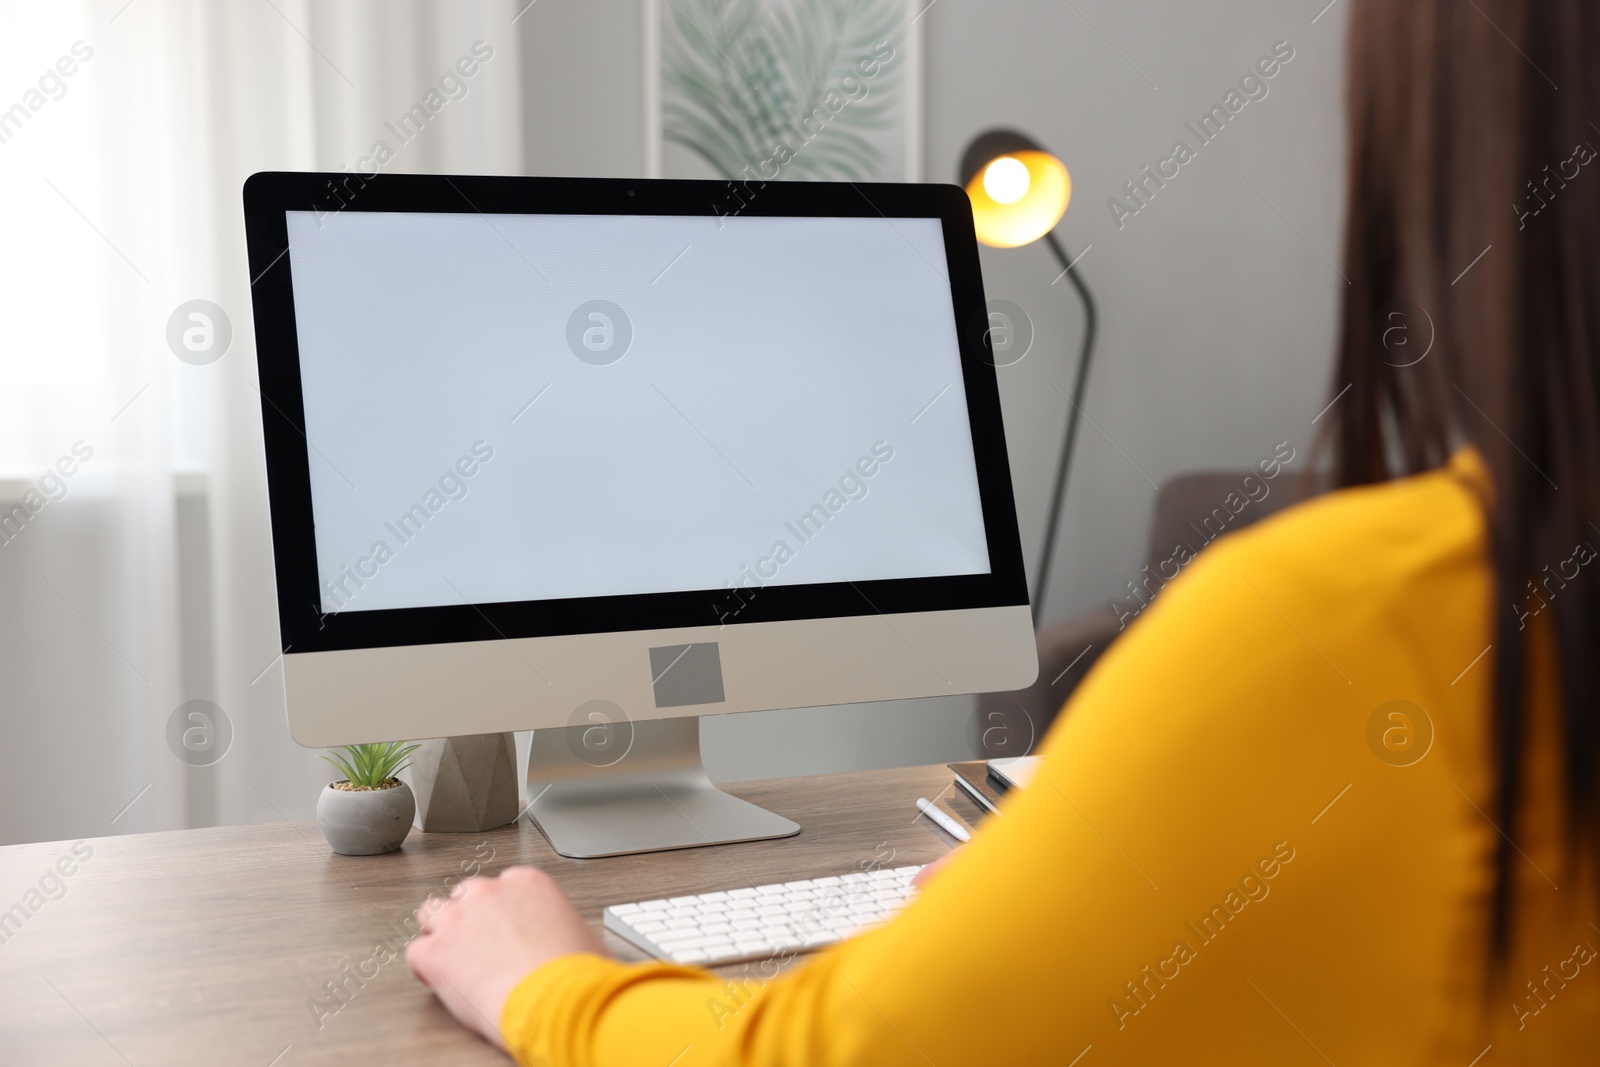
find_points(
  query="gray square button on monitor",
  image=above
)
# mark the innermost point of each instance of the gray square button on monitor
(687, 674)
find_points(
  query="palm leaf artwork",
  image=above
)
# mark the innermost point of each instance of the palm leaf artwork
(370, 766)
(744, 77)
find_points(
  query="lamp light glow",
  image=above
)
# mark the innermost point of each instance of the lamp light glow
(1006, 180)
(1018, 190)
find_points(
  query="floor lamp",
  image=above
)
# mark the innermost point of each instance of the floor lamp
(1019, 192)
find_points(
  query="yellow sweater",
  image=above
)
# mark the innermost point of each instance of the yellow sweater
(1236, 853)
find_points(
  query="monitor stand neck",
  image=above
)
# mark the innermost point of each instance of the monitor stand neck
(626, 787)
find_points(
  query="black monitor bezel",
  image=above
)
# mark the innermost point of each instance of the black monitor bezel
(303, 625)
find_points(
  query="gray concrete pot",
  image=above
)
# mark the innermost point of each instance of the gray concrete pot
(464, 784)
(365, 822)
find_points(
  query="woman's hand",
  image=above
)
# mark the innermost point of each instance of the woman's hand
(935, 867)
(489, 935)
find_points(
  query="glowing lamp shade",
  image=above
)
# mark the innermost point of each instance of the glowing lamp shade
(1018, 191)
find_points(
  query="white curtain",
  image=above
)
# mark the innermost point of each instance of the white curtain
(135, 559)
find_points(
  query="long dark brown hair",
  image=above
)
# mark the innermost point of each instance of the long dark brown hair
(1473, 222)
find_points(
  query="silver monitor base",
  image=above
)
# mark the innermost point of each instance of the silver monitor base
(635, 787)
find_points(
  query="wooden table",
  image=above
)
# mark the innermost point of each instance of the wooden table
(220, 946)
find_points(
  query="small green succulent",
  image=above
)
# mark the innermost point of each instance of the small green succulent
(372, 766)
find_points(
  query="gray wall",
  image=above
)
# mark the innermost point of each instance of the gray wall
(584, 110)
(1216, 305)
(1216, 315)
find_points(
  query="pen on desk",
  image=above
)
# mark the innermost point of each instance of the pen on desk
(946, 823)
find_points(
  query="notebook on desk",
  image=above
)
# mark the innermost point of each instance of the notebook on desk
(986, 781)
(1016, 772)
(972, 778)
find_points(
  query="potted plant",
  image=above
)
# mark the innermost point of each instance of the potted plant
(369, 812)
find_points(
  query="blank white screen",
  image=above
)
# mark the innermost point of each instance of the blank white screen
(769, 356)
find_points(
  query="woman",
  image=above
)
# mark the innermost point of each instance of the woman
(1316, 804)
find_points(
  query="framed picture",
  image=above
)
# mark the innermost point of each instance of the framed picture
(775, 90)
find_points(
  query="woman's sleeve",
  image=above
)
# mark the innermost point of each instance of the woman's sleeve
(1165, 861)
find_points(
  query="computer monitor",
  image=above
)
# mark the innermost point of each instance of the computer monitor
(597, 457)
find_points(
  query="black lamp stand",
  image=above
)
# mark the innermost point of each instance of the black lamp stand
(1079, 384)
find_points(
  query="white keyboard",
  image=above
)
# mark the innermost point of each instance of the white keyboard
(712, 929)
